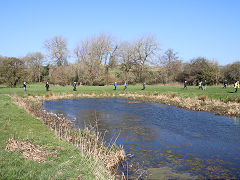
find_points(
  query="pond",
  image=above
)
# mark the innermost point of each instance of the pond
(161, 138)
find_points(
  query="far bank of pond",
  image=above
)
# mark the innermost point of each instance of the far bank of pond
(231, 109)
(160, 137)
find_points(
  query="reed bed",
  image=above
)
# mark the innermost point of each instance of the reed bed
(89, 141)
(202, 103)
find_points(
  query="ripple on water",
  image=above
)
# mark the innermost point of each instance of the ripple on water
(160, 138)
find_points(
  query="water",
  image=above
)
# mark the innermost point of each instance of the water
(157, 136)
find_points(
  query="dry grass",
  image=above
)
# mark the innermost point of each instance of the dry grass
(231, 109)
(28, 150)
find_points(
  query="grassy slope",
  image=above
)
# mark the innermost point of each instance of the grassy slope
(15, 122)
(213, 92)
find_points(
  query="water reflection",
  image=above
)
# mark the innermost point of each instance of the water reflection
(129, 126)
(156, 135)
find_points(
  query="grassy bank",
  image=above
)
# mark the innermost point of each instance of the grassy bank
(212, 92)
(60, 161)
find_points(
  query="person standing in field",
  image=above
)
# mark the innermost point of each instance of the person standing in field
(236, 86)
(125, 85)
(115, 85)
(185, 85)
(74, 86)
(47, 86)
(204, 85)
(144, 86)
(225, 84)
(200, 85)
(24, 86)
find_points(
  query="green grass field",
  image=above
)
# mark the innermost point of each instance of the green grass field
(212, 92)
(16, 123)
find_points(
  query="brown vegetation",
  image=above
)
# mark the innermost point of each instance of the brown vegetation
(28, 150)
(231, 109)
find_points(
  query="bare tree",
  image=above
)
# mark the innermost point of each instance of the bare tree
(145, 50)
(172, 65)
(62, 75)
(88, 63)
(126, 57)
(34, 62)
(57, 48)
(105, 50)
(97, 54)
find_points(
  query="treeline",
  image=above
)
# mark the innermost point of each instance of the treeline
(102, 60)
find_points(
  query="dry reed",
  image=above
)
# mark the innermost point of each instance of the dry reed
(231, 109)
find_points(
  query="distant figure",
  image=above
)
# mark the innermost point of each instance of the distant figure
(74, 86)
(200, 85)
(47, 86)
(204, 85)
(185, 84)
(225, 84)
(24, 86)
(125, 85)
(144, 86)
(115, 85)
(236, 86)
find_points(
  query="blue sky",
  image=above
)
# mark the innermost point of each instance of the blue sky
(193, 28)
